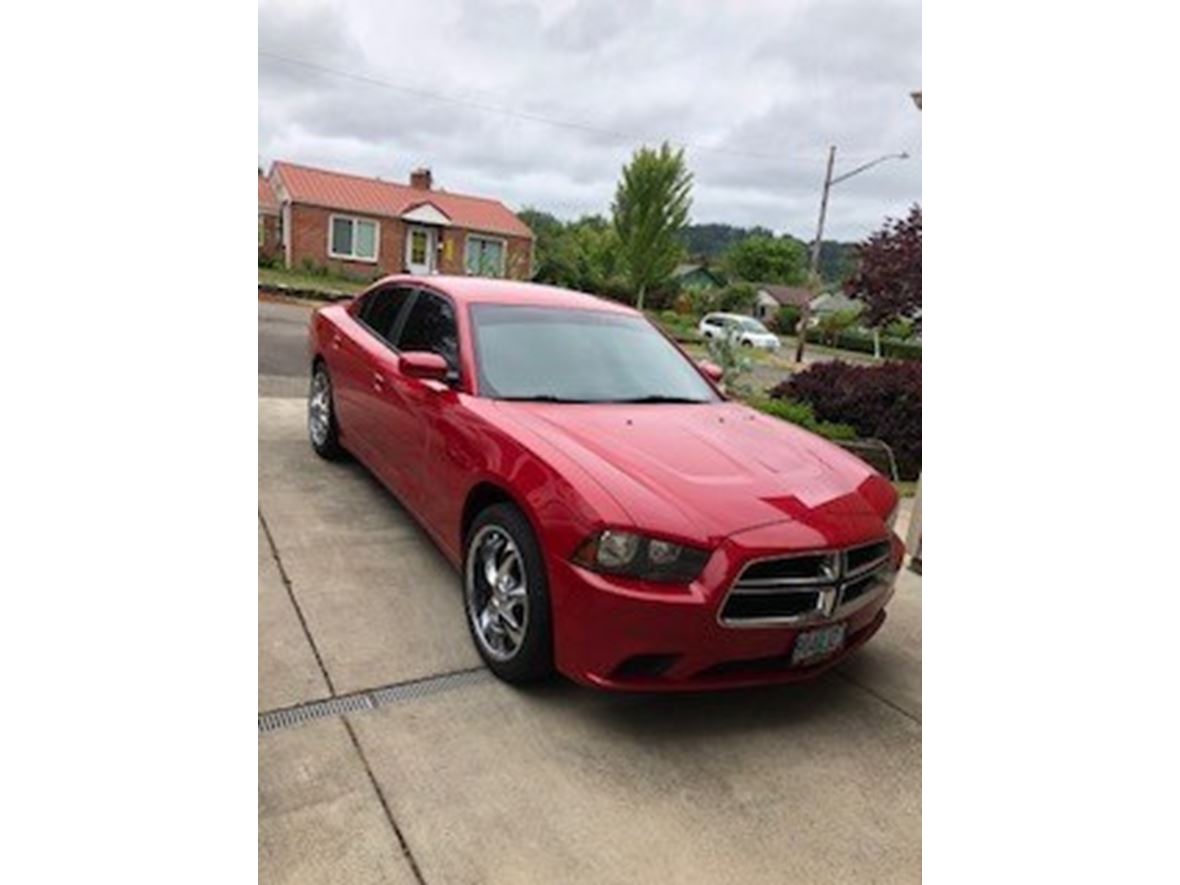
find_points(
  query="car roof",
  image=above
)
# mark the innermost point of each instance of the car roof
(481, 290)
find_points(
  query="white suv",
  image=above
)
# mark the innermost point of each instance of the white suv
(746, 331)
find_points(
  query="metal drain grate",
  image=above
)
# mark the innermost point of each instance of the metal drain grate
(370, 699)
(408, 691)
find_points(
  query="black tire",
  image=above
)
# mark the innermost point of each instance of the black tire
(747, 344)
(532, 658)
(326, 445)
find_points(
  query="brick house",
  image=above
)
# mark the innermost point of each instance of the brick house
(367, 227)
(269, 240)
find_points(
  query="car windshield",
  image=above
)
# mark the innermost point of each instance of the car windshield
(563, 355)
(752, 325)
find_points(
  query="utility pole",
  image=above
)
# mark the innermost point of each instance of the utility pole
(815, 247)
(819, 233)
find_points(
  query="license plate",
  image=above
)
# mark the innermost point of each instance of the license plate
(817, 643)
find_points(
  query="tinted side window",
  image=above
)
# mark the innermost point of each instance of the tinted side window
(381, 309)
(430, 325)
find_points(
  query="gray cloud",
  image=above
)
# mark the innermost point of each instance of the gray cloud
(779, 79)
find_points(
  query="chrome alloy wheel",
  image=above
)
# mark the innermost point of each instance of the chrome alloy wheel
(319, 407)
(496, 591)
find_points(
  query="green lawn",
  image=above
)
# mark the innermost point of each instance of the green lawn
(278, 276)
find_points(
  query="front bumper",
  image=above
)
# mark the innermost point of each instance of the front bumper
(635, 636)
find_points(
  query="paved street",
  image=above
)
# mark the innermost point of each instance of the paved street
(437, 773)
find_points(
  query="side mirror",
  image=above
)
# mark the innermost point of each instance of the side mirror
(713, 371)
(424, 364)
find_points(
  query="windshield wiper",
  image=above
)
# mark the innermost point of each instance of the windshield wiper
(660, 398)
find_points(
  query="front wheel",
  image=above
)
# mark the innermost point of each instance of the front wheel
(321, 416)
(506, 596)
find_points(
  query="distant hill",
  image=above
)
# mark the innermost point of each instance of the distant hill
(708, 242)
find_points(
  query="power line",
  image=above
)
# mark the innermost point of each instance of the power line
(506, 111)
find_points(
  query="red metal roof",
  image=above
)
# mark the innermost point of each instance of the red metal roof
(266, 196)
(371, 196)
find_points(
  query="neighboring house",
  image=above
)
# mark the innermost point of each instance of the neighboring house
(697, 277)
(834, 302)
(368, 227)
(771, 297)
(269, 237)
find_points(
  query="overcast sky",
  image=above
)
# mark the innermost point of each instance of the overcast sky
(756, 90)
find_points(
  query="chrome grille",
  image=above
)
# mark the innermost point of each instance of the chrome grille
(803, 587)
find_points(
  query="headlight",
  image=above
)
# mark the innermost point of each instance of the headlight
(615, 552)
(891, 519)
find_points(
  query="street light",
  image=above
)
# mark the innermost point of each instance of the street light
(819, 231)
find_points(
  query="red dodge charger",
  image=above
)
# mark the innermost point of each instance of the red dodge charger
(613, 515)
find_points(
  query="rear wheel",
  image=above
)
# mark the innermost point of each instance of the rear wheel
(506, 595)
(321, 416)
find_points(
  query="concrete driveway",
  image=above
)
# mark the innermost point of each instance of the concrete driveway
(387, 754)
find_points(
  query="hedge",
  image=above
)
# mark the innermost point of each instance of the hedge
(804, 416)
(882, 402)
(890, 348)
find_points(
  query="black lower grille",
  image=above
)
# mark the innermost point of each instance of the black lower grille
(782, 605)
(644, 666)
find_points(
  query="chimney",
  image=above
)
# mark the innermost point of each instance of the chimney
(420, 178)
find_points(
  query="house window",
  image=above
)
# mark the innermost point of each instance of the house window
(354, 238)
(485, 256)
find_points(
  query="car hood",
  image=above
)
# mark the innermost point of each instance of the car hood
(706, 471)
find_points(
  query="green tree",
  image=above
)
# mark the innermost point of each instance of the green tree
(831, 326)
(763, 259)
(737, 298)
(551, 261)
(649, 212)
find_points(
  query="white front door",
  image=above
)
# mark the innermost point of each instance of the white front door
(420, 250)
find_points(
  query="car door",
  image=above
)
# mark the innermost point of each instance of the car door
(358, 362)
(413, 406)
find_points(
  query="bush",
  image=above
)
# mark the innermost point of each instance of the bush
(831, 326)
(803, 415)
(684, 304)
(679, 326)
(734, 362)
(858, 342)
(901, 350)
(701, 301)
(787, 319)
(883, 402)
(736, 298)
(309, 267)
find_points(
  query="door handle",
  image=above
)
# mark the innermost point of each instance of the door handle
(378, 381)
(336, 341)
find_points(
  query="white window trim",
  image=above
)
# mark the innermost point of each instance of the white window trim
(503, 251)
(354, 257)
